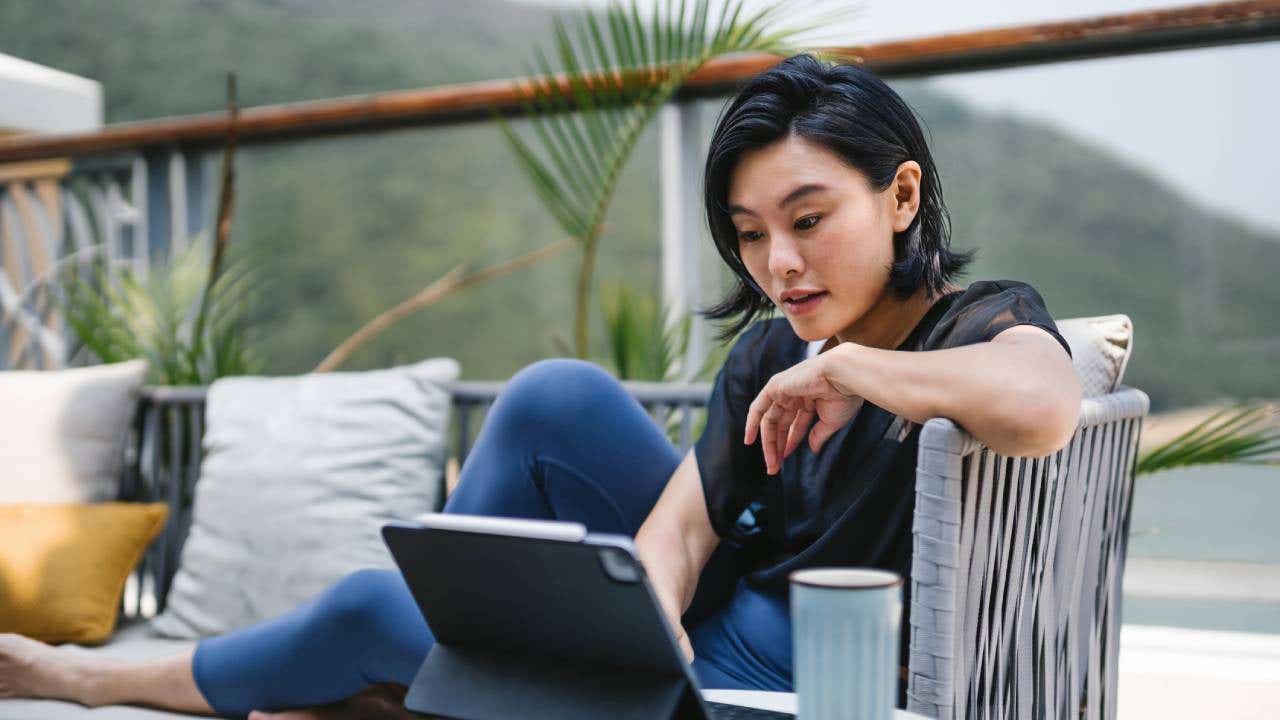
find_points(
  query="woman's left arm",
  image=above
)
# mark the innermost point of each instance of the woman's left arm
(1017, 394)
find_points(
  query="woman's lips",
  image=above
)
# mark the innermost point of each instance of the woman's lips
(802, 305)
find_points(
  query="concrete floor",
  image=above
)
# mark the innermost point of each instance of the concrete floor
(1179, 673)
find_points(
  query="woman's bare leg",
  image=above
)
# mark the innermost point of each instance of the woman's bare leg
(32, 669)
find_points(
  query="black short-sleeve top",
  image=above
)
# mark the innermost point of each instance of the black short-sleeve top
(851, 503)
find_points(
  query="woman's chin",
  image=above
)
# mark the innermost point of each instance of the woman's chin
(810, 329)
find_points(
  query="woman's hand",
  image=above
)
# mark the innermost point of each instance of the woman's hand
(780, 415)
(682, 638)
(669, 608)
(674, 544)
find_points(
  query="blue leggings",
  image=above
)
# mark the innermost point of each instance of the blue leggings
(564, 441)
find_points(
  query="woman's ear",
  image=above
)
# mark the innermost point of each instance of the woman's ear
(905, 190)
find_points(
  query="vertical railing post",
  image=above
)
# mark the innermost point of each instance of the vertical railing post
(177, 199)
(681, 160)
(200, 194)
(159, 205)
(138, 230)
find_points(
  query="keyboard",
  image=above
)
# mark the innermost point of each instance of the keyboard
(725, 711)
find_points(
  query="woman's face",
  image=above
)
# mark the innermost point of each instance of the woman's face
(813, 233)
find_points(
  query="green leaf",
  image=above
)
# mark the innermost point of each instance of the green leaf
(584, 134)
(1241, 434)
(643, 343)
(117, 315)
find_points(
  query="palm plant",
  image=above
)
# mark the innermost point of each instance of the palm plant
(618, 70)
(186, 317)
(1243, 434)
(647, 341)
(190, 330)
(642, 344)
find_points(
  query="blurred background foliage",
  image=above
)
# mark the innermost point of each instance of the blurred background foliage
(344, 228)
(189, 330)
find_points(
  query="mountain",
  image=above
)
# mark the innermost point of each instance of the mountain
(342, 228)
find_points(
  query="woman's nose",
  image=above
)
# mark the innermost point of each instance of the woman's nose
(784, 256)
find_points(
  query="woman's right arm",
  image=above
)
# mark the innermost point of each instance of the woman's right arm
(675, 542)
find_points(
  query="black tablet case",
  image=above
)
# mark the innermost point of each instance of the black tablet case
(536, 629)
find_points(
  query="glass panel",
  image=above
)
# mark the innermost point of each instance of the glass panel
(344, 229)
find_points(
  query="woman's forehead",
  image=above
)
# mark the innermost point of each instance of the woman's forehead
(764, 176)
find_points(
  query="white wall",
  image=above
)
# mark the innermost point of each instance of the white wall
(35, 98)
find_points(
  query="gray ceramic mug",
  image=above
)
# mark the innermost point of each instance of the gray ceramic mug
(844, 629)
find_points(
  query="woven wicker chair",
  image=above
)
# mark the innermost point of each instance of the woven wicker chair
(1016, 571)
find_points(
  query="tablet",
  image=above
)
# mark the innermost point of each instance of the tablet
(538, 619)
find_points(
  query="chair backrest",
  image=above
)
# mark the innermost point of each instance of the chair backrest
(1016, 570)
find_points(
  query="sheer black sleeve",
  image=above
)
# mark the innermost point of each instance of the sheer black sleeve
(732, 473)
(988, 308)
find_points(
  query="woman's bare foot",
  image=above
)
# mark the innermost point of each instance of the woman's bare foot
(377, 702)
(32, 669)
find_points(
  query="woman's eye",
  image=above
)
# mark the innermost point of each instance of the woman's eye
(749, 235)
(807, 222)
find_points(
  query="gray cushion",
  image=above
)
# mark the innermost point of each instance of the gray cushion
(299, 475)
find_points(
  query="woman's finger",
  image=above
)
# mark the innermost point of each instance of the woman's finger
(798, 429)
(820, 434)
(780, 439)
(755, 413)
(761, 427)
(769, 436)
(685, 644)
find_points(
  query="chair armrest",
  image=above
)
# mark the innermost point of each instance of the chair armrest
(1016, 558)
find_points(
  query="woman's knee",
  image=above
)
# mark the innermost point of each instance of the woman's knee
(551, 392)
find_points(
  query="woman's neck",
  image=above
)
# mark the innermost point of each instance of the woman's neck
(890, 321)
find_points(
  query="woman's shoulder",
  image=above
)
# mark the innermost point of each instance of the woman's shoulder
(991, 294)
(986, 308)
(980, 289)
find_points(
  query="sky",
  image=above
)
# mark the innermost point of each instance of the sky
(1205, 121)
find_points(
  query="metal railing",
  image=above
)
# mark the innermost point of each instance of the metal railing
(58, 218)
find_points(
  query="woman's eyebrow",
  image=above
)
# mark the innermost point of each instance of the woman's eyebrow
(791, 197)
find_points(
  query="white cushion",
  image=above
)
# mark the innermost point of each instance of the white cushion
(1100, 350)
(299, 475)
(64, 431)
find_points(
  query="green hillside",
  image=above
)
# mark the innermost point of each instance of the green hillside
(343, 228)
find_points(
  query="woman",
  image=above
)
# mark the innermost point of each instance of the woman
(822, 197)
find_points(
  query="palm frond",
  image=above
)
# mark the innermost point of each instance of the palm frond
(643, 344)
(615, 70)
(1241, 434)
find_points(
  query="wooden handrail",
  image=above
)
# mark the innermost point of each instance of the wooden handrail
(1121, 34)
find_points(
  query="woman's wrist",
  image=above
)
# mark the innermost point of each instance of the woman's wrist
(667, 565)
(841, 368)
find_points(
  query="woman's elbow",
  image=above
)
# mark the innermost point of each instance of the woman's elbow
(1043, 420)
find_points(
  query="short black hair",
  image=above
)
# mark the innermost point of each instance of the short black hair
(849, 110)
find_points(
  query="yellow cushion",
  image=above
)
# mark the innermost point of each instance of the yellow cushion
(63, 566)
